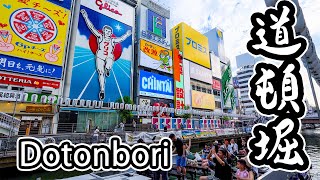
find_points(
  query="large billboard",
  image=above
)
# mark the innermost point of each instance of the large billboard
(200, 73)
(104, 51)
(154, 24)
(202, 100)
(178, 76)
(33, 36)
(227, 88)
(155, 57)
(192, 43)
(155, 85)
(215, 66)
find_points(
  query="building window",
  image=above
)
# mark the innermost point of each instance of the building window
(216, 93)
(204, 90)
(193, 87)
(209, 91)
(218, 104)
(198, 88)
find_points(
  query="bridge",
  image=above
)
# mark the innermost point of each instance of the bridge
(311, 119)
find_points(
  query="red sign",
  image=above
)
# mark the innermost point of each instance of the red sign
(216, 84)
(26, 81)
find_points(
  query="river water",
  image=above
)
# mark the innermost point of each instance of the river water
(312, 138)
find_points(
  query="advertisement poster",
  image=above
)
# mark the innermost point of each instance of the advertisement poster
(155, 85)
(33, 36)
(202, 100)
(200, 73)
(216, 84)
(154, 24)
(28, 82)
(103, 53)
(178, 76)
(226, 85)
(215, 66)
(195, 46)
(155, 57)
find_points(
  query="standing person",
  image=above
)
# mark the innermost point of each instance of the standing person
(96, 134)
(88, 125)
(134, 124)
(165, 129)
(121, 125)
(181, 158)
(222, 168)
(233, 147)
(104, 55)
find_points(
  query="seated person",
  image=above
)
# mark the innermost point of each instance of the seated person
(242, 172)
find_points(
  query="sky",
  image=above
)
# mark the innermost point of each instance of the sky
(233, 17)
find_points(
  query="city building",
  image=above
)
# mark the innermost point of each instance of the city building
(245, 65)
(197, 73)
(154, 63)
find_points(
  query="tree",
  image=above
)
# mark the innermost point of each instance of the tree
(125, 114)
(186, 116)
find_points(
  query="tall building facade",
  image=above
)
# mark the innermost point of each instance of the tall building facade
(245, 65)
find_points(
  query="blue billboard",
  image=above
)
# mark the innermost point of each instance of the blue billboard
(103, 57)
(18, 65)
(155, 85)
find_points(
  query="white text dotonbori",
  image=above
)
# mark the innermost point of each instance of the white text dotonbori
(32, 154)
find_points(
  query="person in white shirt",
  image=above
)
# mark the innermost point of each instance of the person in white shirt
(233, 147)
(121, 126)
(96, 134)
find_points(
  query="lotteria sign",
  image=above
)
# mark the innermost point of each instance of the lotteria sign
(26, 81)
(155, 85)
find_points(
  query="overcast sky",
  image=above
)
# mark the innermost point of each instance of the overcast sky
(233, 16)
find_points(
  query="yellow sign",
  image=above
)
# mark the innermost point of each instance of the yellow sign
(203, 100)
(155, 52)
(177, 37)
(33, 29)
(193, 44)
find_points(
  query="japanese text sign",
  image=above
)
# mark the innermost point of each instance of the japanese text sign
(178, 79)
(278, 91)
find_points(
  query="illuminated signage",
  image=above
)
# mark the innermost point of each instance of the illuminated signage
(156, 24)
(157, 39)
(203, 100)
(194, 45)
(178, 77)
(216, 84)
(155, 85)
(26, 81)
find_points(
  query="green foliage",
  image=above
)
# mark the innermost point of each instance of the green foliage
(125, 115)
(226, 118)
(186, 116)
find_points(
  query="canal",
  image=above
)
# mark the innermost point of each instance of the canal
(312, 138)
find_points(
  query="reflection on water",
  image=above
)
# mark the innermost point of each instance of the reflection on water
(312, 138)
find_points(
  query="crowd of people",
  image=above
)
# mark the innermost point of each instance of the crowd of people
(218, 158)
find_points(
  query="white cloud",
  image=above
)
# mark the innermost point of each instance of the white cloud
(127, 53)
(82, 41)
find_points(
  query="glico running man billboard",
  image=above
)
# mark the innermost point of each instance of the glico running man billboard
(33, 36)
(104, 52)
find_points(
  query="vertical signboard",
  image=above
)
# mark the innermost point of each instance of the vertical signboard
(33, 36)
(104, 51)
(178, 77)
(215, 66)
(226, 89)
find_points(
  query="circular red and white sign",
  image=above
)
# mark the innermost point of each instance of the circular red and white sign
(33, 26)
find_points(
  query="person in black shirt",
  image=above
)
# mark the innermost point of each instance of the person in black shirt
(222, 168)
(181, 158)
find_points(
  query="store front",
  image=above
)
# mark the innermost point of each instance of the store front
(35, 118)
